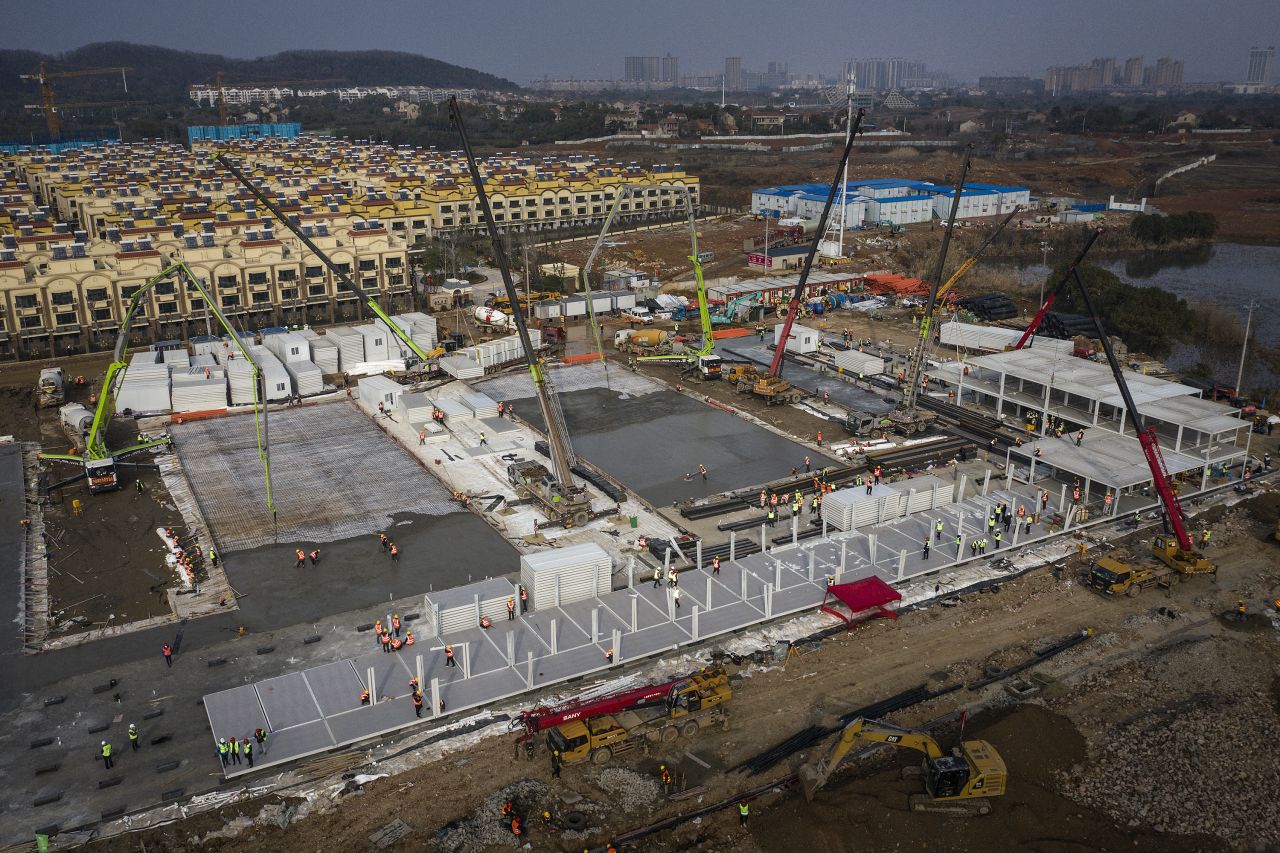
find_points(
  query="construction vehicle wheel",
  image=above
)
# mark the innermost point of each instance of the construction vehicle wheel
(984, 807)
(1134, 590)
(581, 519)
(689, 730)
(603, 755)
(670, 734)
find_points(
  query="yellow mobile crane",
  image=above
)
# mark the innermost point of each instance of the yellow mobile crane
(959, 782)
(99, 463)
(565, 501)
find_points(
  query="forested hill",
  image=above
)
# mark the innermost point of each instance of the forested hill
(161, 75)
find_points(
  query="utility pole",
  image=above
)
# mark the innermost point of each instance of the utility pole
(1248, 323)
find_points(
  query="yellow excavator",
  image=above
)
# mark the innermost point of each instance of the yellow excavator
(960, 782)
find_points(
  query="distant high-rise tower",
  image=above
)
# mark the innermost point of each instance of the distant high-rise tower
(644, 68)
(1133, 71)
(733, 73)
(670, 71)
(1168, 72)
(1261, 62)
(1104, 72)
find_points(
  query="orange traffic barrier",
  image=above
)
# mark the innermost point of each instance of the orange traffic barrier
(721, 334)
(582, 358)
(204, 415)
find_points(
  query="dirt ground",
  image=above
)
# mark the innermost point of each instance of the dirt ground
(106, 564)
(1146, 736)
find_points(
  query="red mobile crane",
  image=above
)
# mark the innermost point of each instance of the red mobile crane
(775, 369)
(1178, 553)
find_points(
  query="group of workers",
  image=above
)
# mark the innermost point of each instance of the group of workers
(390, 548)
(230, 751)
(389, 636)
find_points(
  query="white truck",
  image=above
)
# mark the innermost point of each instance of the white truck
(51, 387)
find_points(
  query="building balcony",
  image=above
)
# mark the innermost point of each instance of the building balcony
(34, 332)
(67, 329)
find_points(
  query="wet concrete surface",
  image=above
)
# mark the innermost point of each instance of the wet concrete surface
(812, 379)
(650, 443)
(436, 552)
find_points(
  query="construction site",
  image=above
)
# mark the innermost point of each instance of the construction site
(760, 569)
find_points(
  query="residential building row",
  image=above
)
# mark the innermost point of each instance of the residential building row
(81, 231)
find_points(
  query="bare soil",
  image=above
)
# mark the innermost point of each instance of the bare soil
(106, 564)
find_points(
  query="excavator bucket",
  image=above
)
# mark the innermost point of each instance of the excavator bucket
(810, 781)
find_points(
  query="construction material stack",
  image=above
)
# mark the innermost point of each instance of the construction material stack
(199, 388)
(146, 385)
(461, 366)
(565, 575)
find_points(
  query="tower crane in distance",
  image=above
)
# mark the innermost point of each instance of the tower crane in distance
(48, 101)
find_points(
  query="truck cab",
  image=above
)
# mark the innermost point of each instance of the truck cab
(101, 474)
(710, 366)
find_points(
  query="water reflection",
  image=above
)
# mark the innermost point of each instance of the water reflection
(1148, 264)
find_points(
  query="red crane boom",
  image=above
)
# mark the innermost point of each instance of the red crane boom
(775, 369)
(540, 719)
(1058, 290)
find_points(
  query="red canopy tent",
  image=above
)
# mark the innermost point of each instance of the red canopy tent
(868, 594)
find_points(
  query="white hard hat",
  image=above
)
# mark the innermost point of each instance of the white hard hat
(104, 743)
(133, 725)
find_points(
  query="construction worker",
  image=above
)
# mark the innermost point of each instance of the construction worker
(247, 748)
(870, 485)
(702, 469)
(937, 530)
(484, 623)
(1106, 503)
(213, 557)
(524, 599)
(1204, 537)
(808, 466)
(998, 540)
(224, 751)
(1075, 495)
(878, 473)
(1240, 614)
(1008, 520)
(386, 642)
(973, 547)
(675, 594)
(982, 545)
(261, 737)
(1044, 500)
(773, 499)
(383, 540)
(302, 558)
(815, 503)
(508, 808)
(959, 545)
(771, 517)
(448, 656)
(546, 819)
(377, 632)
(395, 623)
(657, 577)
(926, 548)
(106, 755)
(417, 703)
(364, 696)
(133, 736)
(395, 553)
(1080, 438)
(744, 811)
(234, 747)
(715, 565)
(665, 775)
(511, 608)
(314, 555)
(608, 655)
(397, 643)
(763, 498)
(555, 763)
(167, 651)
(819, 438)
(517, 827)
(484, 442)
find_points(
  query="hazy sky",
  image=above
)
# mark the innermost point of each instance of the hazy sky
(588, 38)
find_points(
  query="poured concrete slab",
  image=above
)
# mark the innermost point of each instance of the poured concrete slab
(334, 474)
(607, 427)
(811, 379)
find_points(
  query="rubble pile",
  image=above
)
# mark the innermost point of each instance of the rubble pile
(628, 790)
(486, 827)
(1196, 766)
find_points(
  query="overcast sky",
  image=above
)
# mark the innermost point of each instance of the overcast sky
(527, 39)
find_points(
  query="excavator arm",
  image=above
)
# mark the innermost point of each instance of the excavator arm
(815, 774)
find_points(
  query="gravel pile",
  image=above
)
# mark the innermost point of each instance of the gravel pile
(1204, 765)
(486, 827)
(628, 790)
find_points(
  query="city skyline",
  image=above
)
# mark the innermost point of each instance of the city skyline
(811, 36)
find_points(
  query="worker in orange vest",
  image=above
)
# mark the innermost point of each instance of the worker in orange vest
(448, 656)
(395, 623)
(511, 608)
(819, 438)
(396, 643)
(715, 565)
(386, 641)
(315, 556)
(302, 558)
(377, 632)
(395, 552)
(485, 623)
(408, 638)
(383, 540)
(364, 697)
(524, 599)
